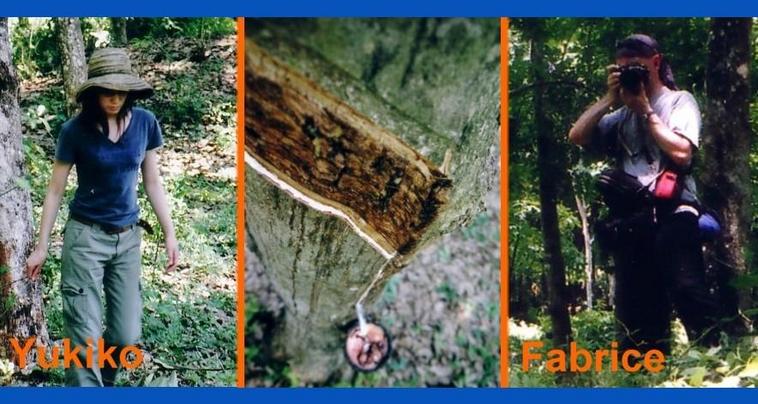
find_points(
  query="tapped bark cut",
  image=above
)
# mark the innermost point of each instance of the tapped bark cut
(356, 162)
(334, 155)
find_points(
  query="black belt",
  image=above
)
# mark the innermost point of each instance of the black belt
(106, 228)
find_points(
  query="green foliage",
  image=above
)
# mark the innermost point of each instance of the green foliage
(734, 363)
(95, 33)
(178, 101)
(261, 367)
(166, 27)
(161, 381)
(252, 307)
(593, 329)
(35, 50)
(35, 45)
(44, 114)
(7, 303)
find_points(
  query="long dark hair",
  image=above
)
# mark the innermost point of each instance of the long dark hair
(93, 115)
(640, 45)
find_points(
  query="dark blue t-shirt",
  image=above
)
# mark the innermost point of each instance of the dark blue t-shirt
(107, 172)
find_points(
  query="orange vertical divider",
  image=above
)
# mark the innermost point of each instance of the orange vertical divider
(504, 356)
(240, 161)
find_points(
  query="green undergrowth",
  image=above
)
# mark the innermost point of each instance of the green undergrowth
(734, 363)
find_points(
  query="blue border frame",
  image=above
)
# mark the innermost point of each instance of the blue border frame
(381, 8)
(377, 396)
(378, 8)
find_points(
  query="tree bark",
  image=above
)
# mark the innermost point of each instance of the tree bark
(726, 143)
(372, 112)
(73, 63)
(118, 32)
(21, 313)
(589, 273)
(549, 170)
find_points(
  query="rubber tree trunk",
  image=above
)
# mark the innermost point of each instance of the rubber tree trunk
(73, 63)
(20, 299)
(549, 170)
(392, 124)
(118, 32)
(726, 143)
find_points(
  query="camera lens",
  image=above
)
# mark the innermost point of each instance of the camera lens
(632, 76)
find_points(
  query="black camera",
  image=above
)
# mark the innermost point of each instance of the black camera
(632, 76)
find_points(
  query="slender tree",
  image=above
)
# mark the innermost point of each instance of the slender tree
(726, 142)
(73, 63)
(118, 32)
(550, 169)
(21, 313)
(589, 271)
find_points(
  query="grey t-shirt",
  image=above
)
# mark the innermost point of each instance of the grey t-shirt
(640, 154)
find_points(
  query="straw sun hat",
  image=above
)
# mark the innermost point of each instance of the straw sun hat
(111, 69)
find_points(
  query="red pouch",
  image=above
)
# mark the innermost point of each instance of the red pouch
(666, 186)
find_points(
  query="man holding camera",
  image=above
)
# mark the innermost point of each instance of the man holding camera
(651, 130)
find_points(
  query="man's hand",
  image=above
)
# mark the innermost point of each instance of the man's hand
(172, 253)
(638, 103)
(614, 85)
(35, 261)
(582, 130)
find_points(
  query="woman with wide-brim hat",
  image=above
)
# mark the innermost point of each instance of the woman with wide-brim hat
(109, 142)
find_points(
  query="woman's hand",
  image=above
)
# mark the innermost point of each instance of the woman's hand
(50, 207)
(172, 253)
(35, 261)
(157, 197)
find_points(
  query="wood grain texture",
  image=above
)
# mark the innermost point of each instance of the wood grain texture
(322, 267)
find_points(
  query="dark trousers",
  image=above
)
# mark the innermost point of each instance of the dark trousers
(659, 266)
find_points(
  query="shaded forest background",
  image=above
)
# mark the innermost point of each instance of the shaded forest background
(189, 315)
(557, 69)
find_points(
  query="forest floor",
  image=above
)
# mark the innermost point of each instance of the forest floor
(189, 334)
(734, 363)
(442, 312)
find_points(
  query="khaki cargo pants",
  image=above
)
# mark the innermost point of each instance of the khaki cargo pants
(94, 261)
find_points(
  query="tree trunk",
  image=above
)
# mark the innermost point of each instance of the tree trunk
(589, 273)
(386, 140)
(73, 63)
(549, 170)
(24, 29)
(21, 313)
(118, 32)
(726, 143)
